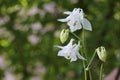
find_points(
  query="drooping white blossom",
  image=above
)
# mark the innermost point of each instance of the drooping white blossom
(76, 20)
(70, 51)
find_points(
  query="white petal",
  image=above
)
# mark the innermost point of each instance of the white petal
(73, 59)
(73, 56)
(74, 25)
(78, 25)
(60, 53)
(87, 25)
(79, 56)
(66, 50)
(74, 10)
(76, 50)
(63, 20)
(67, 12)
(63, 52)
(70, 43)
(70, 24)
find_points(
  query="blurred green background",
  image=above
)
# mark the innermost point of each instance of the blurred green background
(29, 30)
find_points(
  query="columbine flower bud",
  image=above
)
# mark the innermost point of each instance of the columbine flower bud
(101, 52)
(64, 35)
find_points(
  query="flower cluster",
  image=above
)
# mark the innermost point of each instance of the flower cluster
(75, 21)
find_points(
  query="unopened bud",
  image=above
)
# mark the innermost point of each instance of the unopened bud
(101, 52)
(64, 35)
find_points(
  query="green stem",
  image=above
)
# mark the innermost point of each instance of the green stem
(83, 43)
(76, 36)
(90, 75)
(91, 60)
(101, 69)
(85, 72)
(83, 53)
(83, 38)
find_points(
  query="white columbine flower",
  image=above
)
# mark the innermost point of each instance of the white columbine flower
(76, 20)
(70, 51)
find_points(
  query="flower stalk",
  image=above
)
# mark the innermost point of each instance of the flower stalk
(91, 60)
(101, 69)
(84, 53)
(76, 36)
(90, 75)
